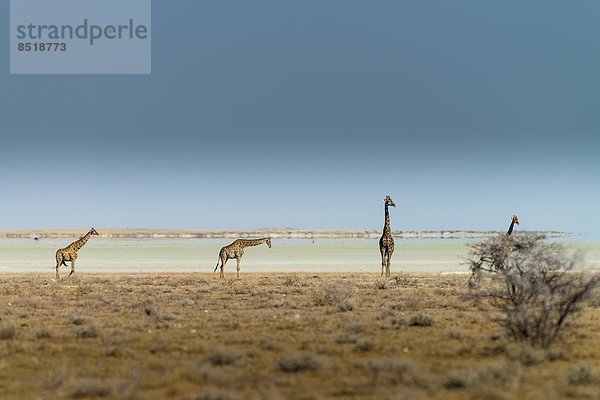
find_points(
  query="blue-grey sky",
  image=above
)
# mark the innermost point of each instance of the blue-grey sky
(306, 113)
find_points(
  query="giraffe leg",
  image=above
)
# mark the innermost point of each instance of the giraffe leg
(223, 262)
(57, 266)
(387, 266)
(383, 258)
(388, 259)
(239, 260)
(72, 267)
(59, 261)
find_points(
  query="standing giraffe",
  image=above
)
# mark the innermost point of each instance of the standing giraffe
(236, 250)
(505, 247)
(515, 220)
(69, 253)
(386, 243)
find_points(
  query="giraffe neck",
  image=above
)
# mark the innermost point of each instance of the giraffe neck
(79, 244)
(252, 242)
(510, 228)
(386, 227)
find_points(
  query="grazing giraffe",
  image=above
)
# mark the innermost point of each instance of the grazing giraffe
(386, 243)
(69, 253)
(236, 250)
(515, 220)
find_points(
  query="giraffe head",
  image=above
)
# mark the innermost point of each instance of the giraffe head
(515, 219)
(389, 202)
(268, 242)
(93, 232)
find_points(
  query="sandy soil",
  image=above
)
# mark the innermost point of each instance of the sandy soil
(275, 336)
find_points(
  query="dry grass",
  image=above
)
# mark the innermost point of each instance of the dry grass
(294, 336)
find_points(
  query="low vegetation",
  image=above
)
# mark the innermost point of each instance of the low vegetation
(537, 285)
(272, 336)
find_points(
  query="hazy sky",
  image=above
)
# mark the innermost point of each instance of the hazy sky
(306, 113)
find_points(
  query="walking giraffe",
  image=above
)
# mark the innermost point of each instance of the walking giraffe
(515, 220)
(236, 250)
(69, 253)
(386, 243)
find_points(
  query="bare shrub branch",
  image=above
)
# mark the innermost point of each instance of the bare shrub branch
(533, 282)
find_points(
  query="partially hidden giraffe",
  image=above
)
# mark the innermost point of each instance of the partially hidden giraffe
(515, 220)
(236, 250)
(69, 253)
(386, 243)
(506, 247)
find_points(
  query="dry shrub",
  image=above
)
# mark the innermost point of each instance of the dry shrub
(300, 362)
(334, 294)
(88, 332)
(420, 320)
(390, 370)
(456, 381)
(77, 319)
(500, 375)
(43, 334)
(223, 356)
(90, 387)
(381, 284)
(212, 394)
(525, 354)
(8, 331)
(404, 279)
(533, 283)
(55, 378)
(582, 375)
(364, 346)
(346, 305)
(293, 280)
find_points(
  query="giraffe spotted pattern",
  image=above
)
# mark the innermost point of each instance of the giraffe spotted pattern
(69, 253)
(386, 243)
(236, 250)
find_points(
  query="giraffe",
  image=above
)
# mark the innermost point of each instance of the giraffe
(386, 243)
(69, 253)
(236, 250)
(505, 247)
(515, 220)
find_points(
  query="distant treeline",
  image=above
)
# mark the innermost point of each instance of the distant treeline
(273, 233)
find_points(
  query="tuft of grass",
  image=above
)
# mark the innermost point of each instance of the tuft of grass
(403, 280)
(381, 284)
(43, 334)
(364, 346)
(346, 305)
(211, 395)
(390, 370)
(77, 319)
(88, 332)
(293, 280)
(152, 311)
(525, 354)
(8, 331)
(223, 356)
(300, 362)
(90, 387)
(456, 382)
(331, 295)
(504, 375)
(420, 320)
(582, 374)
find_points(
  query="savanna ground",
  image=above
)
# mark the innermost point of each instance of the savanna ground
(276, 336)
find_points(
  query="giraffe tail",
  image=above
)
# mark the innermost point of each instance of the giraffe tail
(217, 266)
